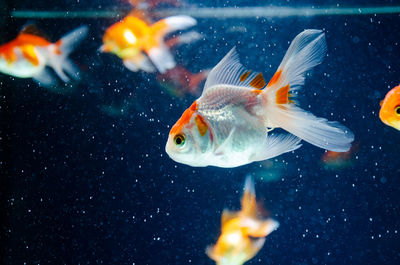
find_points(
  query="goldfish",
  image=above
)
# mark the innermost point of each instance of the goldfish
(390, 108)
(242, 233)
(232, 122)
(180, 81)
(141, 46)
(29, 53)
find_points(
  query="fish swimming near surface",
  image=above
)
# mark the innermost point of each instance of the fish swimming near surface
(390, 108)
(28, 55)
(141, 46)
(242, 233)
(231, 123)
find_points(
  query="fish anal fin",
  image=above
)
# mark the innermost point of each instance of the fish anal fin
(258, 81)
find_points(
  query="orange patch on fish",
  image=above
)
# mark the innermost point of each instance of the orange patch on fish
(244, 76)
(185, 119)
(282, 95)
(275, 78)
(201, 125)
(258, 81)
(29, 53)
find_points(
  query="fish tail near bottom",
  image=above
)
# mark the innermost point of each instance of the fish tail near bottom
(58, 58)
(306, 51)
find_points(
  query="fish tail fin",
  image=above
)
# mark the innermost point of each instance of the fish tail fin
(59, 52)
(159, 52)
(306, 51)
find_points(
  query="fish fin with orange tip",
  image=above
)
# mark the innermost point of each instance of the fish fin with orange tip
(229, 71)
(58, 54)
(306, 51)
(276, 145)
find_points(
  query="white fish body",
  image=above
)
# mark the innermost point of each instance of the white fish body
(230, 124)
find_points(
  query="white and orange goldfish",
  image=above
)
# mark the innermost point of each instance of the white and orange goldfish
(28, 55)
(390, 108)
(230, 124)
(242, 233)
(141, 46)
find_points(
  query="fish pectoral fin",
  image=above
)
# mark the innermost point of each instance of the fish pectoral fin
(276, 145)
(228, 140)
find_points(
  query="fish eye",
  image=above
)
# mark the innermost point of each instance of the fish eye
(179, 139)
(397, 110)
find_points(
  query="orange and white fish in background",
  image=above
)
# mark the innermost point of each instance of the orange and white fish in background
(28, 55)
(141, 45)
(242, 233)
(390, 108)
(230, 124)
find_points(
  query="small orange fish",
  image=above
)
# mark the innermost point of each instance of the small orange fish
(243, 233)
(28, 55)
(390, 108)
(180, 81)
(141, 45)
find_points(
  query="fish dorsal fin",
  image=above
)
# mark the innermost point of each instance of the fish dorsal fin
(32, 29)
(227, 215)
(229, 71)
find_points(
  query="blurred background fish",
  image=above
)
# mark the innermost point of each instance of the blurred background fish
(242, 233)
(140, 45)
(29, 55)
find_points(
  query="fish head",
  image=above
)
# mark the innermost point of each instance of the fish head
(189, 141)
(390, 108)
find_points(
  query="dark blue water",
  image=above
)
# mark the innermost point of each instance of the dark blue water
(83, 185)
